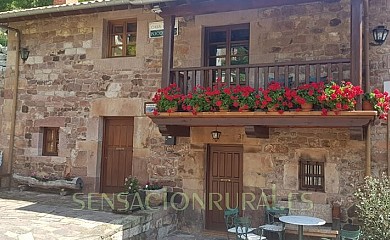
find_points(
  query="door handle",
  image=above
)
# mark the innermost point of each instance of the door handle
(225, 180)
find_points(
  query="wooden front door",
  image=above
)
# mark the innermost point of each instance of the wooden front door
(224, 183)
(117, 153)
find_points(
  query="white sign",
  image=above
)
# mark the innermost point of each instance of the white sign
(387, 86)
(156, 29)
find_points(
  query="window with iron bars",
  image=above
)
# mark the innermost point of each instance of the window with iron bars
(312, 176)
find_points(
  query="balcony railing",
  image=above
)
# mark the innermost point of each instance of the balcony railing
(290, 74)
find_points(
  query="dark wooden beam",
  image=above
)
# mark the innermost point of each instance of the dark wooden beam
(208, 7)
(257, 131)
(168, 46)
(270, 119)
(357, 45)
(172, 130)
(356, 133)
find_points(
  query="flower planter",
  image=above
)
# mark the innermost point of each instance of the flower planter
(367, 106)
(223, 109)
(306, 107)
(273, 109)
(154, 198)
(174, 197)
(125, 203)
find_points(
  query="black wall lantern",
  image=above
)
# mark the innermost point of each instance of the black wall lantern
(216, 135)
(24, 53)
(380, 34)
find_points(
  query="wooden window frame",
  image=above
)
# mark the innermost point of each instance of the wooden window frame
(315, 172)
(45, 150)
(229, 43)
(111, 34)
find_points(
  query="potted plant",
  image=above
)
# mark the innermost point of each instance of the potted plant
(276, 98)
(200, 100)
(378, 101)
(244, 98)
(224, 101)
(307, 95)
(155, 194)
(339, 97)
(131, 198)
(167, 99)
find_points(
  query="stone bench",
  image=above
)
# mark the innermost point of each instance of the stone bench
(64, 186)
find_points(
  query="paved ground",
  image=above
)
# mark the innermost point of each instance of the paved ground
(35, 216)
(45, 216)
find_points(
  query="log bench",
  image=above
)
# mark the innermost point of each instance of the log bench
(314, 231)
(65, 187)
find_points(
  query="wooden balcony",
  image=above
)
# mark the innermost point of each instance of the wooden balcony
(289, 74)
(257, 124)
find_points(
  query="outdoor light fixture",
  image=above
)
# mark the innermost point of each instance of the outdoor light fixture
(156, 9)
(216, 134)
(24, 52)
(380, 34)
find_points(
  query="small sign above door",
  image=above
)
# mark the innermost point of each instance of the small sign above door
(156, 29)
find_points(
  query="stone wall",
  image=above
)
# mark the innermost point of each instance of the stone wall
(379, 73)
(149, 225)
(289, 33)
(67, 83)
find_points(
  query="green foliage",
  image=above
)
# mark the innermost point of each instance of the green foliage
(152, 186)
(374, 207)
(7, 5)
(131, 184)
(3, 38)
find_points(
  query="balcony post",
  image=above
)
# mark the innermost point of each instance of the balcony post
(357, 45)
(168, 46)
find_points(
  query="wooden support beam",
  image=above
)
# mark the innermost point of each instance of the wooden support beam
(168, 46)
(357, 45)
(368, 149)
(356, 133)
(388, 146)
(172, 130)
(254, 131)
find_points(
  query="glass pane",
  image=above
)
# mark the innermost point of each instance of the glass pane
(239, 50)
(116, 51)
(217, 37)
(219, 77)
(117, 29)
(221, 61)
(240, 35)
(117, 40)
(132, 27)
(241, 60)
(241, 75)
(130, 50)
(217, 50)
(131, 38)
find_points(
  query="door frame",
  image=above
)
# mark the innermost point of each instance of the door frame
(103, 150)
(207, 178)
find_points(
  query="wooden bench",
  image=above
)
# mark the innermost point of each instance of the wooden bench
(64, 186)
(314, 231)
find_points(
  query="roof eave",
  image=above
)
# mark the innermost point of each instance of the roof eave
(71, 9)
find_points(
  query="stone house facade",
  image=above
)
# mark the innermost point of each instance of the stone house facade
(69, 83)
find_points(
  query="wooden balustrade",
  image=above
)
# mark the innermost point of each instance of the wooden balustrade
(290, 74)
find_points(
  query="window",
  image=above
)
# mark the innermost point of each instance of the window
(50, 141)
(122, 38)
(311, 176)
(228, 46)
